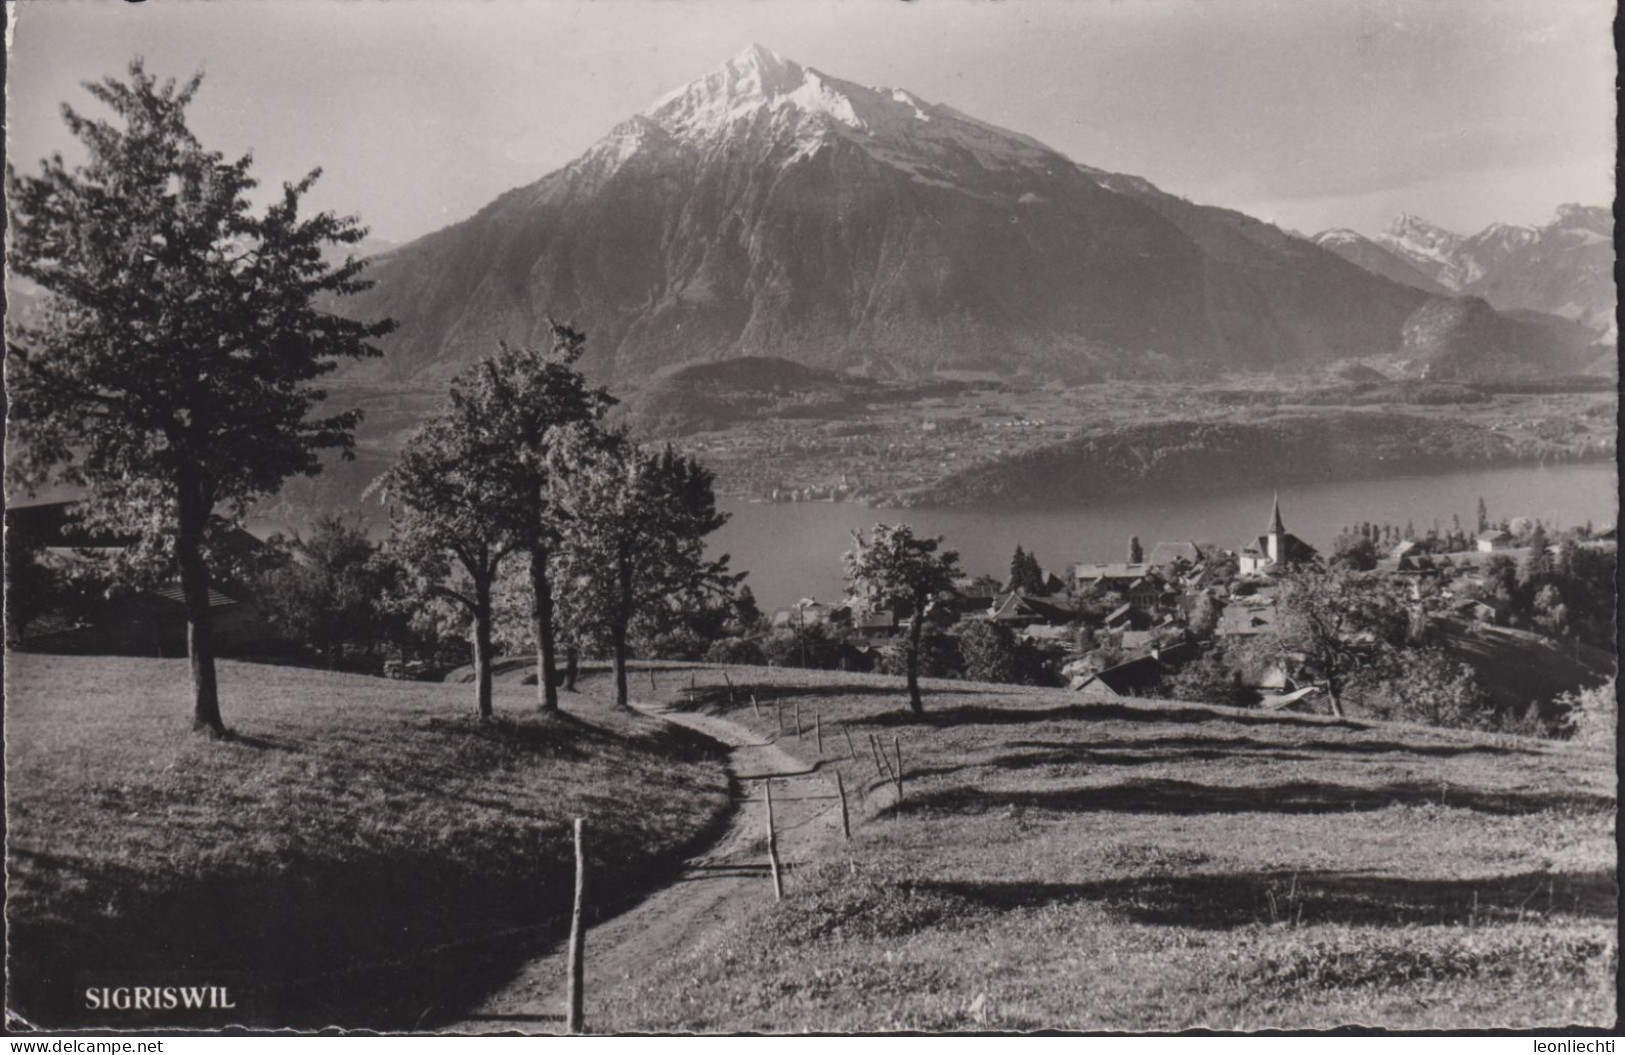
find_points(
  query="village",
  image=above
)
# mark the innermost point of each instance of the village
(553, 574)
(1113, 629)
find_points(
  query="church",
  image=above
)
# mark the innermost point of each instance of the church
(1276, 548)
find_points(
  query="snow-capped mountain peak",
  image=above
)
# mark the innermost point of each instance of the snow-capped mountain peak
(756, 79)
(1340, 236)
(804, 107)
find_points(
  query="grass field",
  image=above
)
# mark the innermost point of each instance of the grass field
(1150, 866)
(362, 853)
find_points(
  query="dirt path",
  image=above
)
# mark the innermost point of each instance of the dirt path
(718, 885)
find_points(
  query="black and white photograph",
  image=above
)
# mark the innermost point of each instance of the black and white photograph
(810, 517)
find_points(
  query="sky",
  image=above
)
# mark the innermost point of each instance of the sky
(1331, 113)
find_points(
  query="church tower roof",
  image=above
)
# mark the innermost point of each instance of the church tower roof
(1276, 527)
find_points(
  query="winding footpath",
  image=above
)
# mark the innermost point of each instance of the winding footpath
(719, 885)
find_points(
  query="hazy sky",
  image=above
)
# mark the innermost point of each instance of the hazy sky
(1311, 114)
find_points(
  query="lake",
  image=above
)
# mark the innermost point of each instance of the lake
(794, 550)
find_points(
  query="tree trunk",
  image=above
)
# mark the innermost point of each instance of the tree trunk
(915, 626)
(618, 638)
(199, 624)
(482, 648)
(541, 589)
(1335, 692)
(623, 620)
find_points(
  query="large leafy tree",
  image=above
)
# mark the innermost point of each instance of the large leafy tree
(633, 540)
(446, 528)
(1342, 625)
(892, 570)
(170, 372)
(520, 399)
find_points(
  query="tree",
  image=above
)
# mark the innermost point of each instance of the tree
(1136, 555)
(521, 399)
(989, 651)
(1354, 552)
(747, 615)
(1018, 568)
(1424, 685)
(1339, 622)
(329, 596)
(633, 535)
(893, 570)
(170, 373)
(1206, 680)
(1483, 516)
(1204, 615)
(444, 530)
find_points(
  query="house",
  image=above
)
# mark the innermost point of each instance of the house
(143, 622)
(1017, 609)
(1167, 557)
(1144, 594)
(1481, 610)
(1134, 677)
(1053, 636)
(809, 611)
(1246, 618)
(1492, 540)
(884, 623)
(1275, 549)
(1120, 618)
(1109, 574)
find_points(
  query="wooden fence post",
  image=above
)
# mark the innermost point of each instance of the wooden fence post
(778, 715)
(840, 789)
(730, 682)
(578, 937)
(798, 719)
(753, 707)
(772, 842)
(897, 749)
(882, 767)
(652, 686)
(849, 746)
(818, 730)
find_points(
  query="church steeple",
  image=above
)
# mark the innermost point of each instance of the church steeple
(1275, 537)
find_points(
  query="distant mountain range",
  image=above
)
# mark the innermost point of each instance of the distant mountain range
(768, 209)
(1564, 268)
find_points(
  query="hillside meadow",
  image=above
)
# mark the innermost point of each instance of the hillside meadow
(1138, 865)
(362, 852)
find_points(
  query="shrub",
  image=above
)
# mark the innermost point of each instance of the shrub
(736, 650)
(939, 656)
(814, 648)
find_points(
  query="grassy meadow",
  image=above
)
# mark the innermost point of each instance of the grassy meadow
(1135, 866)
(363, 852)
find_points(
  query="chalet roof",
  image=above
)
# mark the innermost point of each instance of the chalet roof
(1016, 606)
(1493, 535)
(1166, 553)
(56, 524)
(884, 619)
(1117, 570)
(172, 595)
(1119, 612)
(1130, 677)
(1286, 700)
